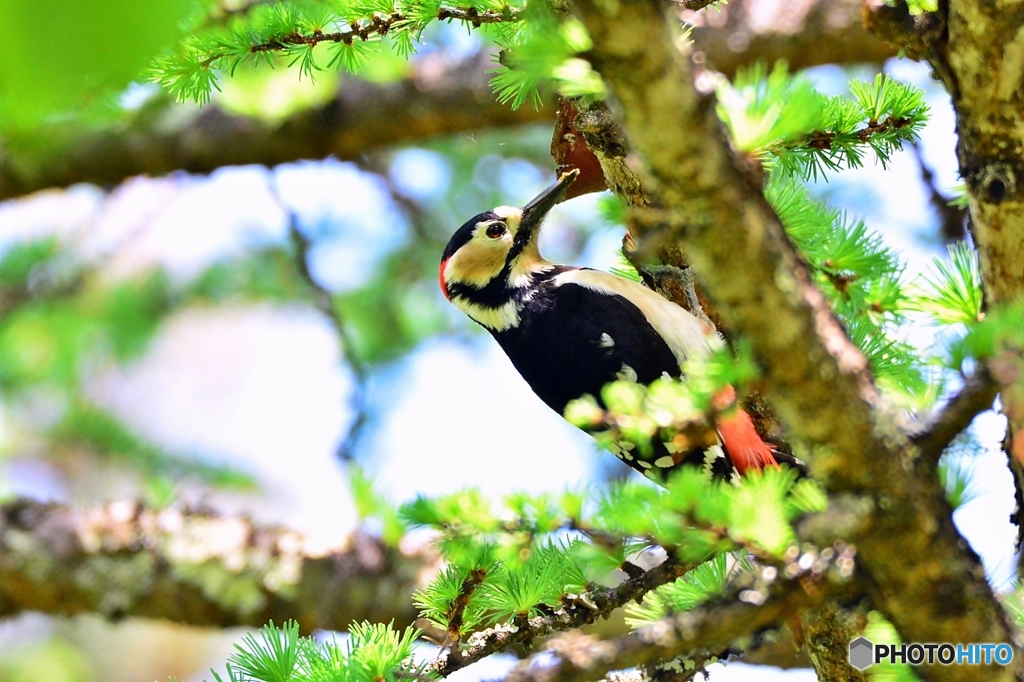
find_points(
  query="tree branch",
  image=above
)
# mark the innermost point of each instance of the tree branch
(804, 34)
(193, 567)
(377, 26)
(933, 588)
(933, 435)
(714, 630)
(439, 97)
(575, 612)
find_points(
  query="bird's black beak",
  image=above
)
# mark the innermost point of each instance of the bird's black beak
(534, 212)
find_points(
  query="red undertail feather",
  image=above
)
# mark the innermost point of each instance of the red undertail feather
(742, 443)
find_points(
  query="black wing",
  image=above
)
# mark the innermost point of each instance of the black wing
(572, 340)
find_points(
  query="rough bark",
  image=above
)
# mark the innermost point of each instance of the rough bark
(919, 571)
(986, 67)
(193, 567)
(977, 50)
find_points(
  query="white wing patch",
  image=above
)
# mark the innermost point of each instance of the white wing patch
(685, 335)
(627, 373)
(606, 341)
(711, 455)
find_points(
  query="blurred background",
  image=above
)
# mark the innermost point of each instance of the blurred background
(236, 340)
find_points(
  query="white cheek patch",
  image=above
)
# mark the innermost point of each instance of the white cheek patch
(476, 266)
(498, 319)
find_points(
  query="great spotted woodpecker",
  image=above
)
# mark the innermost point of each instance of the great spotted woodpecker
(571, 330)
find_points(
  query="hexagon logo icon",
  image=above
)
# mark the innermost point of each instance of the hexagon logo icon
(862, 653)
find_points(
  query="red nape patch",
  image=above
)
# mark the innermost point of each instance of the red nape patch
(440, 279)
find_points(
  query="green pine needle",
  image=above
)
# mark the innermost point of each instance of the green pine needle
(373, 653)
(703, 583)
(955, 476)
(952, 293)
(271, 655)
(782, 120)
(623, 268)
(860, 276)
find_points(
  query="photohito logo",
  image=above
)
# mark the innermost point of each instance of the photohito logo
(863, 653)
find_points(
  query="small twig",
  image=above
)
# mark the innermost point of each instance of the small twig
(369, 27)
(458, 610)
(952, 219)
(685, 279)
(932, 435)
(597, 602)
(472, 15)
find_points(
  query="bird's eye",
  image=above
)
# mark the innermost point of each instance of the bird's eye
(495, 230)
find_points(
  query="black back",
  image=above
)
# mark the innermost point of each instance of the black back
(557, 346)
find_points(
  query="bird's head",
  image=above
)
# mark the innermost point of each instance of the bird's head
(494, 254)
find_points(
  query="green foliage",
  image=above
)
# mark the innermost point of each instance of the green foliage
(525, 555)
(1014, 603)
(385, 319)
(1001, 331)
(623, 268)
(540, 51)
(370, 503)
(512, 559)
(881, 631)
(504, 563)
(489, 589)
(537, 50)
(955, 473)
(537, 577)
(666, 408)
(91, 49)
(612, 209)
(861, 278)
(373, 653)
(271, 657)
(706, 581)
(436, 601)
(260, 275)
(49, 340)
(25, 259)
(919, 6)
(55, 660)
(953, 293)
(960, 197)
(314, 36)
(783, 121)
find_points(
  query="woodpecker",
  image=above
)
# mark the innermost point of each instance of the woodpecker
(570, 330)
